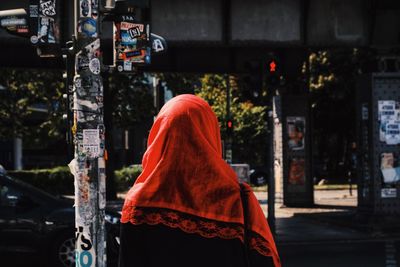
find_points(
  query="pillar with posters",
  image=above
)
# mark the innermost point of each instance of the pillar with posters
(294, 185)
(378, 120)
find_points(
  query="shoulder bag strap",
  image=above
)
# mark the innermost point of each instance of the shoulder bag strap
(246, 234)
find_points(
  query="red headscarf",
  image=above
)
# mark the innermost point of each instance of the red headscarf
(185, 182)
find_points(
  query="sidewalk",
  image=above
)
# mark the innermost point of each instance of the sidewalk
(333, 219)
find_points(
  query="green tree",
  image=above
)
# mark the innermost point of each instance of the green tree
(30, 106)
(250, 141)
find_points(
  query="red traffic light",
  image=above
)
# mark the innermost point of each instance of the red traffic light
(229, 124)
(272, 66)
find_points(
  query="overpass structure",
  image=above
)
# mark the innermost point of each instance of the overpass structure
(221, 35)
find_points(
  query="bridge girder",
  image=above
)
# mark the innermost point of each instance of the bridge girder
(218, 35)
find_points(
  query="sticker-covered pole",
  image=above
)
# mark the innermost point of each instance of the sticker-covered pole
(88, 165)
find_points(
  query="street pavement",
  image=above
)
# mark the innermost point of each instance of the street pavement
(331, 234)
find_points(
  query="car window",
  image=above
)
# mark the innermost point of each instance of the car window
(9, 196)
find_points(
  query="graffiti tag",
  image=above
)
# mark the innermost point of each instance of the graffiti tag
(83, 255)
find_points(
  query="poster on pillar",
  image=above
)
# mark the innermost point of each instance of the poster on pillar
(296, 133)
(390, 169)
(297, 174)
(389, 121)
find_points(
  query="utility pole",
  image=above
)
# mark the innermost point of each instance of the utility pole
(88, 165)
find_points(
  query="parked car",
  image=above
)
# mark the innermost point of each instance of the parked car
(38, 229)
(258, 176)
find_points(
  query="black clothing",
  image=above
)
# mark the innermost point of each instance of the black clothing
(155, 246)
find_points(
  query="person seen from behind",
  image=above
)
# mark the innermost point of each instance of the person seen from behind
(186, 208)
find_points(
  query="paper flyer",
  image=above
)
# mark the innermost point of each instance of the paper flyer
(296, 132)
(390, 168)
(389, 121)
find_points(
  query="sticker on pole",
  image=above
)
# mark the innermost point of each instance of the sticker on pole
(85, 254)
(94, 65)
(388, 193)
(48, 8)
(91, 142)
(132, 43)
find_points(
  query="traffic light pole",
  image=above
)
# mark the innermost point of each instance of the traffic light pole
(271, 180)
(228, 145)
(88, 165)
(271, 156)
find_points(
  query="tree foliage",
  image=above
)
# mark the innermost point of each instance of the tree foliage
(30, 105)
(249, 142)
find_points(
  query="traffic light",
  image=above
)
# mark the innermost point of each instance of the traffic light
(272, 73)
(229, 127)
(272, 66)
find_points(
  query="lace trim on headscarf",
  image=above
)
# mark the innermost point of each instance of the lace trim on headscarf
(258, 243)
(193, 225)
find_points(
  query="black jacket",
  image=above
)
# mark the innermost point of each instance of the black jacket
(155, 246)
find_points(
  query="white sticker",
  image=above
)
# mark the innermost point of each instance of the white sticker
(127, 65)
(34, 39)
(93, 46)
(158, 45)
(48, 8)
(120, 68)
(392, 132)
(86, 103)
(94, 65)
(386, 112)
(91, 142)
(388, 192)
